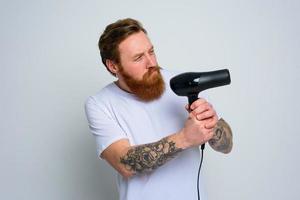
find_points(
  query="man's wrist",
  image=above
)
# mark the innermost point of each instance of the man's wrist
(180, 140)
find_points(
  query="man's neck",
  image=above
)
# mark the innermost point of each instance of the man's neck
(122, 86)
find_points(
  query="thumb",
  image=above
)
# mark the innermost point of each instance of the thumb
(187, 107)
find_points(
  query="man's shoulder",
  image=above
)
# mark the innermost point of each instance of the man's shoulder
(107, 90)
(102, 96)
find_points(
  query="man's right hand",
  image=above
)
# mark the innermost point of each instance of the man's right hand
(200, 124)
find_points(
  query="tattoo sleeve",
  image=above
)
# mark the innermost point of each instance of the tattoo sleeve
(147, 157)
(222, 139)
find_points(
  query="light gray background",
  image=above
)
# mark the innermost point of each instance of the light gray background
(50, 64)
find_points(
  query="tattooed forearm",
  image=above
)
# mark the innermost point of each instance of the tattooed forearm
(147, 157)
(222, 139)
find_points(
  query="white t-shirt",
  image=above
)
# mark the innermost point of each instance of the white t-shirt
(114, 114)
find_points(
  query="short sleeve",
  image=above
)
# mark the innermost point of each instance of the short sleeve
(105, 129)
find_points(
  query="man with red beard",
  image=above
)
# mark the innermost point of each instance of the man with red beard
(141, 126)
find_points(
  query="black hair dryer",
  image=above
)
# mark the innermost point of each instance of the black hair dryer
(190, 84)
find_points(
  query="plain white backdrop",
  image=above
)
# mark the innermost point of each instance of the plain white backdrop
(50, 64)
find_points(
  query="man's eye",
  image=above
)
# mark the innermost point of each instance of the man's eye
(152, 51)
(138, 58)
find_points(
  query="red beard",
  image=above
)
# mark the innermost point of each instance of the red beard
(151, 86)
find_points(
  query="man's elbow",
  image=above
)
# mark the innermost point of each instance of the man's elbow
(221, 147)
(227, 151)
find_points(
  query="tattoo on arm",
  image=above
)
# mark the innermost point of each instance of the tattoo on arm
(147, 157)
(222, 139)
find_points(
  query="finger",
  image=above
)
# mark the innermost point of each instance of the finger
(187, 107)
(207, 130)
(202, 108)
(211, 123)
(205, 115)
(193, 117)
(197, 103)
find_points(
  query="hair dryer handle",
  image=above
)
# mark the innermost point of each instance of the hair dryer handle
(193, 98)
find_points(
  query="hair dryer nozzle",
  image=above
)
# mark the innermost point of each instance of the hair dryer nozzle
(191, 83)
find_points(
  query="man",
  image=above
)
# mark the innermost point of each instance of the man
(141, 127)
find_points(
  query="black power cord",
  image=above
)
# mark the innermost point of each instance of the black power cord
(202, 148)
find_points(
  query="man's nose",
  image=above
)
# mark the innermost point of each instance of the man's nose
(151, 61)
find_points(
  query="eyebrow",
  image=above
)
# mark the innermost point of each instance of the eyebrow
(139, 54)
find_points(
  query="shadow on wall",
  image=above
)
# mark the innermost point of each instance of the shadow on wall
(88, 177)
(100, 176)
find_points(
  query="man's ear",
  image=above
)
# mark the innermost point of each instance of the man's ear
(112, 66)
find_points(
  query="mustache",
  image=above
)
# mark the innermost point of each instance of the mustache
(150, 71)
(153, 68)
